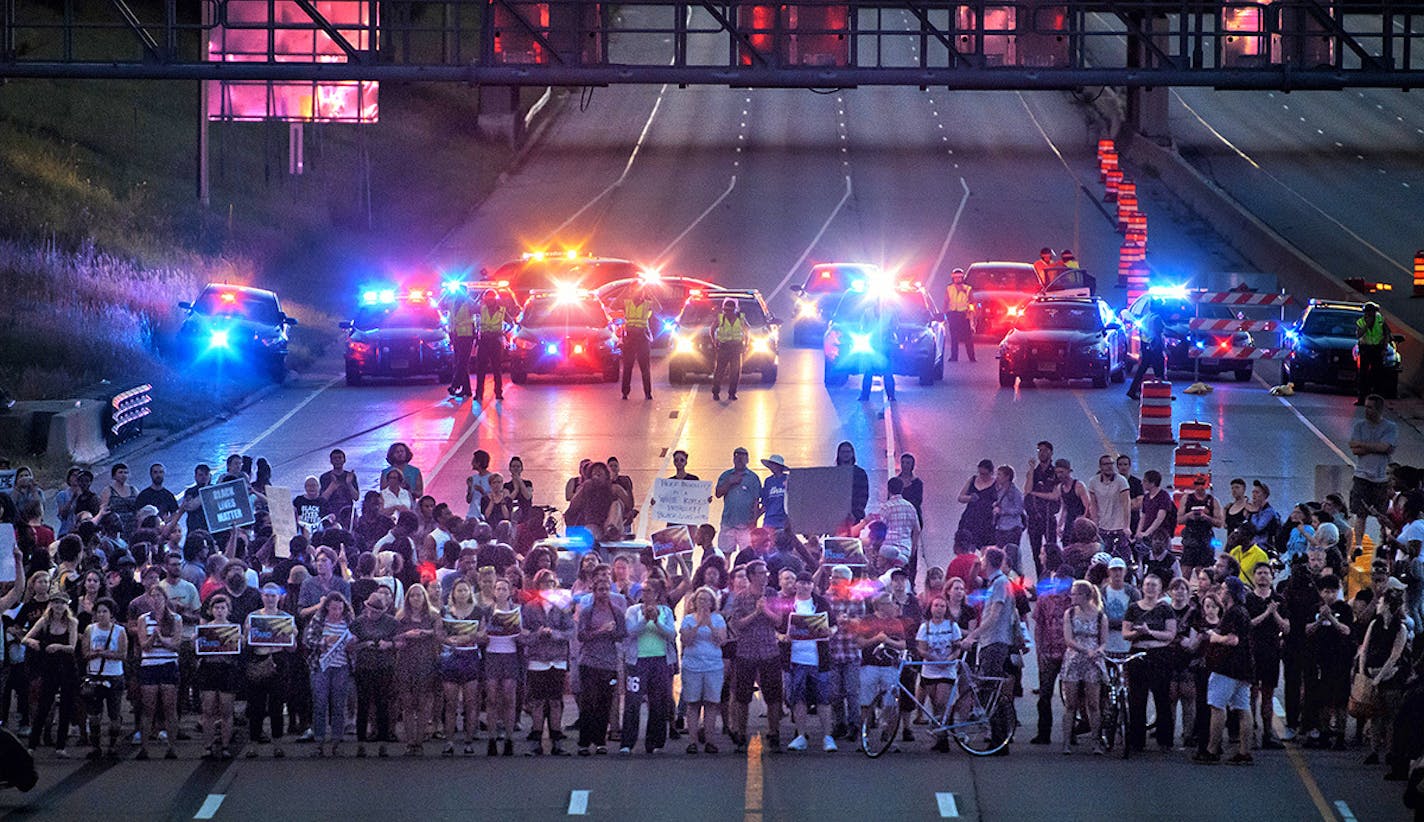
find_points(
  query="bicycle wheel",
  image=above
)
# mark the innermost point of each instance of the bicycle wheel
(1108, 724)
(879, 725)
(973, 719)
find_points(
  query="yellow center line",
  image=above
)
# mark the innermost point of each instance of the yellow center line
(1097, 425)
(1312, 787)
(753, 809)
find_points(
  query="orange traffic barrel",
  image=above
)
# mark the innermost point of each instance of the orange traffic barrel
(1194, 431)
(1419, 273)
(1155, 413)
(1189, 462)
(1112, 178)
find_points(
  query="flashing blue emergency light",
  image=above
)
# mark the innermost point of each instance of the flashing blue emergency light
(578, 539)
(1176, 292)
(669, 325)
(858, 286)
(1201, 343)
(217, 338)
(369, 297)
(552, 349)
(388, 295)
(860, 344)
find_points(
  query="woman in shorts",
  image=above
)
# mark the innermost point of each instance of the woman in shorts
(105, 647)
(704, 632)
(217, 684)
(160, 633)
(460, 668)
(548, 624)
(937, 643)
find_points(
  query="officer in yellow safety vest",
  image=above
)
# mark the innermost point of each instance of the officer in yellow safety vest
(461, 312)
(638, 312)
(729, 338)
(959, 308)
(1372, 332)
(489, 355)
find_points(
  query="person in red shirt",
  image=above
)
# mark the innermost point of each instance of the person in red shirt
(965, 564)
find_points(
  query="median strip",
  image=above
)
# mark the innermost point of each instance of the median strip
(578, 803)
(210, 806)
(948, 807)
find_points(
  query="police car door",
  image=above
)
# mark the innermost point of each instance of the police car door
(1072, 282)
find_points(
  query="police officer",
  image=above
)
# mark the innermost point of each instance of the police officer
(729, 337)
(461, 311)
(1372, 332)
(489, 355)
(959, 308)
(881, 326)
(1045, 265)
(638, 312)
(1152, 350)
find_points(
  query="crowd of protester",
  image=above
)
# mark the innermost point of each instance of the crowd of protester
(426, 626)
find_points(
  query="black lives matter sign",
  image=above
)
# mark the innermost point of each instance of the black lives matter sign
(226, 505)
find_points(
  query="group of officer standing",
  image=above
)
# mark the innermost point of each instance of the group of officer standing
(480, 327)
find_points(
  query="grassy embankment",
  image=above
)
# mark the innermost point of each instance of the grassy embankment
(101, 233)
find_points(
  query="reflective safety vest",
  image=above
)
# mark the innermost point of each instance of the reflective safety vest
(733, 331)
(637, 314)
(958, 297)
(1373, 335)
(490, 323)
(462, 320)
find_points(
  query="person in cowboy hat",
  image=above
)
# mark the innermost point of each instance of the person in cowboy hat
(772, 504)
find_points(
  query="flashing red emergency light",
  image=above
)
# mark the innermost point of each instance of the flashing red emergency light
(229, 297)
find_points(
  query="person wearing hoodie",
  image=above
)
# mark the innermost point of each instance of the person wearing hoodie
(860, 483)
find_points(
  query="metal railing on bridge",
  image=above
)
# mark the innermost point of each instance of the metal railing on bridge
(1026, 44)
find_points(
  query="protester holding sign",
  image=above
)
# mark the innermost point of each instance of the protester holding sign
(462, 635)
(271, 637)
(502, 669)
(326, 639)
(218, 676)
(809, 624)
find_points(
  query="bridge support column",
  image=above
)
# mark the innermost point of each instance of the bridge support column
(1147, 106)
(500, 114)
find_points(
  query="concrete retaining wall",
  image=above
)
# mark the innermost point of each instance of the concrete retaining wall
(70, 430)
(1301, 276)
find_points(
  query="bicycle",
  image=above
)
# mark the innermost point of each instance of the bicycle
(973, 702)
(1114, 709)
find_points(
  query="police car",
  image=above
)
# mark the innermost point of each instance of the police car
(235, 325)
(1002, 289)
(850, 347)
(397, 335)
(667, 293)
(1177, 311)
(1064, 338)
(1323, 349)
(817, 297)
(563, 331)
(693, 351)
(551, 270)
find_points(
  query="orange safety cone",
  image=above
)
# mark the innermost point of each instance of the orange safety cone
(1194, 431)
(1155, 413)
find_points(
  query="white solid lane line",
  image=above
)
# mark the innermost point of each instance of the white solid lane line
(662, 255)
(948, 238)
(796, 266)
(210, 806)
(1320, 435)
(292, 413)
(578, 803)
(1346, 815)
(948, 808)
(628, 166)
(460, 443)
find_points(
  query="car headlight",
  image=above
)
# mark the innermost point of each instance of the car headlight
(761, 345)
(218, 338)
(684, 345)
(807, 310)
(861, 344)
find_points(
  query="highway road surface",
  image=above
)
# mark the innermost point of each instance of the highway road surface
(749, 188)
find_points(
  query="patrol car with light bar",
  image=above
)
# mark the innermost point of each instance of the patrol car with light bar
(235, 326)
(397, 334)
(1322, 348)
(693, 351)
(563, 331)
(849, 346)
(817, 297)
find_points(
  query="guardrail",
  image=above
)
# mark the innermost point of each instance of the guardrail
(124, 417)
